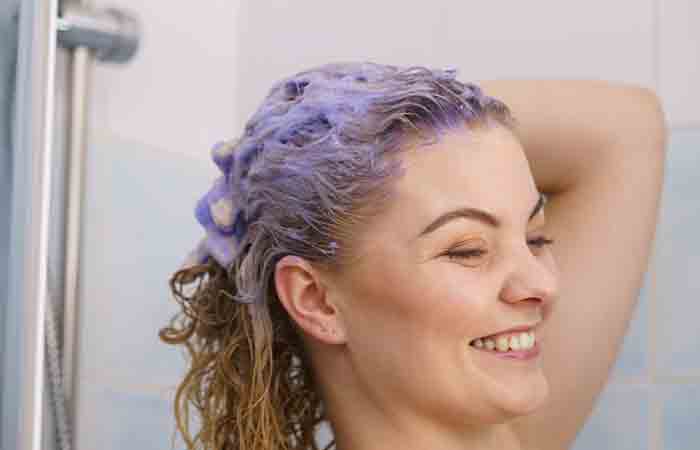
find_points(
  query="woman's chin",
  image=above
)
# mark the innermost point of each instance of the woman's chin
(516, 385)
(526, 398)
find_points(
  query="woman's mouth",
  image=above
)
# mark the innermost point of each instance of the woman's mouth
(518, 345)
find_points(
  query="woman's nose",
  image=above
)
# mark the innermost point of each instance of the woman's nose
(532, 276)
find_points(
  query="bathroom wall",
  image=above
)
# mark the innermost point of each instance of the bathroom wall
(201, 72)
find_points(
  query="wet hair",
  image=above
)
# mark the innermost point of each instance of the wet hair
(315, 161)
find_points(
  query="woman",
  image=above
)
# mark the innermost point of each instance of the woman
(377, 255)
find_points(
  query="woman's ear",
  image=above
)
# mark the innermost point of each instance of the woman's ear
(303, 294)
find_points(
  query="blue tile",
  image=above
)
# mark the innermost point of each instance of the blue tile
(113, 419)
(680, 417)
(678, 258)
(633, 358)
(139, 226)
(619, 421)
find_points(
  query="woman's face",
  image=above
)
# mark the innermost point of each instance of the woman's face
(410, 309)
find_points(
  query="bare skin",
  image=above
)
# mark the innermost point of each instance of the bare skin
(599, 148)
(389, 337)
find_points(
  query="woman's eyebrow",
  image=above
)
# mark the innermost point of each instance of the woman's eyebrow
(477, 214)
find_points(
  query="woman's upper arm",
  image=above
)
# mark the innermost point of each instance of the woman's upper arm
(604, 226)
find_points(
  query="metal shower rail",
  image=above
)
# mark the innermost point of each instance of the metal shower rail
(110, 35)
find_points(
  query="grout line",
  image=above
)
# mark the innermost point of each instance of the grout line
(656, 441)
(654, 432)
(161, 390)
(100, 135)
(654, 428)
(656, 44)
(655, 421)
(630, 380)
(691, 378)
(684, 126)
(652, 302)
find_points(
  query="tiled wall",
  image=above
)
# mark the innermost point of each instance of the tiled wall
(656, 381)
(201, 72)
(138, 224)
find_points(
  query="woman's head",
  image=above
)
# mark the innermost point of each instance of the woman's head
(315, 225)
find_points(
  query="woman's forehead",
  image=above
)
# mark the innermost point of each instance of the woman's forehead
(489, 173)
(486, 168)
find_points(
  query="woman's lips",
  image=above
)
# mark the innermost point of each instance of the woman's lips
(526, 354)
(526, 328)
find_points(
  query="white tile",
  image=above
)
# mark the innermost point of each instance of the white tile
(178, 91)
(679, 60)
(198, 77)
(548, 39)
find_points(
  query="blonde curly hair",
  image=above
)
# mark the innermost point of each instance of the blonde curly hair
(312, 164)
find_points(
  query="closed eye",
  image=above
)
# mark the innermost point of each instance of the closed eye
(538, 242)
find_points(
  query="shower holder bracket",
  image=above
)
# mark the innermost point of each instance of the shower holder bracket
(113, 34)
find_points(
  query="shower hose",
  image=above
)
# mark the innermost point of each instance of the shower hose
(53, 362)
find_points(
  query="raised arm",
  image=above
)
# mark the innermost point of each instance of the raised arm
(598, 150)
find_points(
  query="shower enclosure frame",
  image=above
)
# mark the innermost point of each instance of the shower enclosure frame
(29, 253)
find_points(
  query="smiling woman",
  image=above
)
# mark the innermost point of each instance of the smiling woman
(373, 222)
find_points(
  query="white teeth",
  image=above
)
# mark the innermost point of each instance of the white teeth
(502, 343)
(515, 342)
(522, 341)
